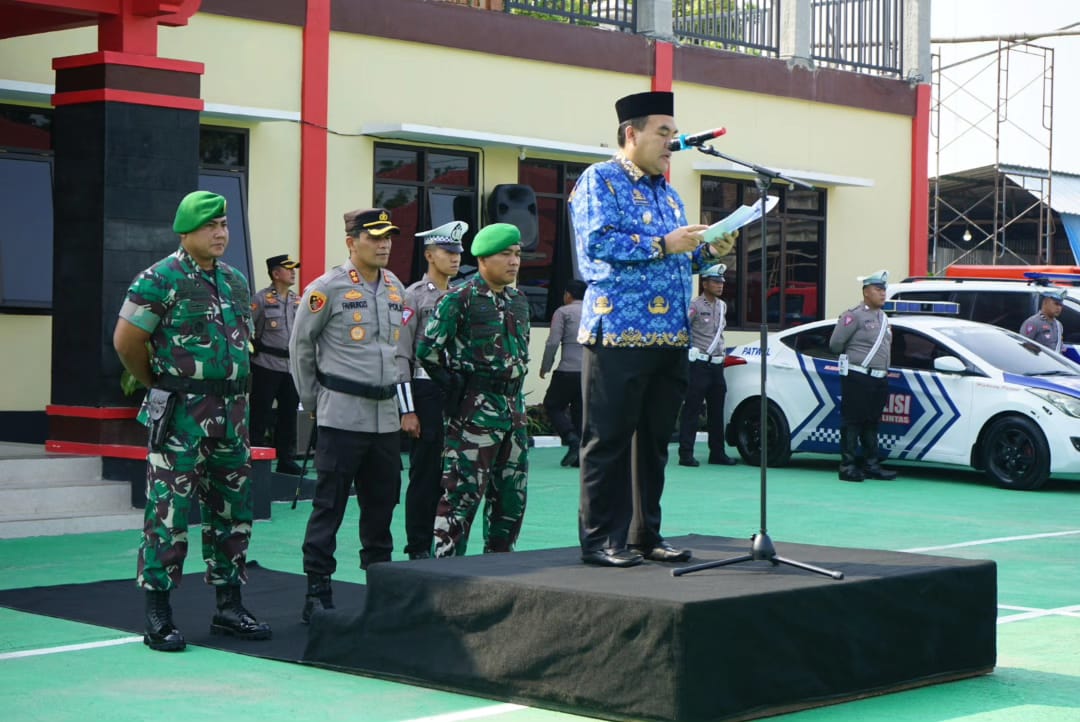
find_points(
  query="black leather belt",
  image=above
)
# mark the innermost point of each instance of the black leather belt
(507, 387)
(355, 388)
(270, 351)
(210, 387)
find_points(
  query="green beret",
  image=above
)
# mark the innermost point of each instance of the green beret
(196, 209)
(495, 238)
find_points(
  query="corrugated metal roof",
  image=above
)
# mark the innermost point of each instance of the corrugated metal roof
(1064, 189)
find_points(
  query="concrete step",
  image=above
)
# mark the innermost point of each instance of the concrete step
(50, 525)
(48, 467)
(35, 496)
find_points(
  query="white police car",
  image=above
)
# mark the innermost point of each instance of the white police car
(960, 392)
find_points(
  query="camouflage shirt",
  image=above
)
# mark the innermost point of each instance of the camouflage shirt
(479, 332)
(200, 326)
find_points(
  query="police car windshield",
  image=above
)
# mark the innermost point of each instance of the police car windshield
(1008, 351)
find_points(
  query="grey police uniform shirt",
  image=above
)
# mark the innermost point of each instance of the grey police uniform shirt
(421, 298)
(1043, 330)
(707, 318)
(856, 333)
(342, 329)
(563, 333)
(273, 317)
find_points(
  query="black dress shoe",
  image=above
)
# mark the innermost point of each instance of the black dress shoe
(724, 460)
(878, 472)
(850, 473)
(612, 557)
(688, 461)
(420, 555)
(663, 552)
(288, 466)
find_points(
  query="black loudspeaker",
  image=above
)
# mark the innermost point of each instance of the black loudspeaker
(514, 203)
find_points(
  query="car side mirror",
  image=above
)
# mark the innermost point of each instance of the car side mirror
(949, 364)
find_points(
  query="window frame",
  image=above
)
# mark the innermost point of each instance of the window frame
(782, 225)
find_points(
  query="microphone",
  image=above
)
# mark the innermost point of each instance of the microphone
(685, 141)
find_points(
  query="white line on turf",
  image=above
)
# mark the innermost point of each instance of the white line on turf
(997, 540)
(1072, 611)
(69, 648)
(471, 714)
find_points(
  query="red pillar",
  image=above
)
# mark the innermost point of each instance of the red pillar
(919, 224)
(314, 114)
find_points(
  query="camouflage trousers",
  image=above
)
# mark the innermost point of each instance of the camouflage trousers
(481, 463)
(214, 471)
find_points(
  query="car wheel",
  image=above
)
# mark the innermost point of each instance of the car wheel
(747, 432)
(1015, 454)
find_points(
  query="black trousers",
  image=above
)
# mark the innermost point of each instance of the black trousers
(266, 387)
(707, 387)
(346, 459)
(632, 399)
(563, 404)
(425, 468)
(862, 399)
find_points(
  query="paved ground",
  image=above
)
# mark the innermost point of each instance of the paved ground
(56, 670)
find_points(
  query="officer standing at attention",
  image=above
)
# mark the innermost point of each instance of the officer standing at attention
(708, 318)
(863, 338)
(342, 359)
(272, 311)
(183, 333)
(442, 250)
(564, 391)
(1044, 327)
(476, 346)
(637, 252)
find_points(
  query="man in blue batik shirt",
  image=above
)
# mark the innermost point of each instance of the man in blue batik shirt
(637, 253)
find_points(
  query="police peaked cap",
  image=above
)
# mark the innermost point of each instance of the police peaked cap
(639, 105)
(881, 278)
(197, 209)
(716, 271)
(447, 236)
(1058, 294)
(283, 260)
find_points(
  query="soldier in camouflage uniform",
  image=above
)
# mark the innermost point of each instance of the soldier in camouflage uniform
(442, 249)
(476, 347)
(341, 355)
(185, 328)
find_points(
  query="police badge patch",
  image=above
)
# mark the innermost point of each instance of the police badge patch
(316, 301)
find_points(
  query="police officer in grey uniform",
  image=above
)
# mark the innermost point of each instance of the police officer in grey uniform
(342, 358)
(273, 310)
(863, 338)
(1044, 327)
(708, 318)
(564, 391)
(442, 250)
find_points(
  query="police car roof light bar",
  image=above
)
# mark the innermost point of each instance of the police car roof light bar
(922, 308)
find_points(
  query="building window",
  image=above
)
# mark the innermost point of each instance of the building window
(26, 168)
(546, 268)
(423, 189)
(795, 254)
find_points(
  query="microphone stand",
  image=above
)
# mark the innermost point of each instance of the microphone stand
(762, 549)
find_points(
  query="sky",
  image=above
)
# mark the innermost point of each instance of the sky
(965, 135)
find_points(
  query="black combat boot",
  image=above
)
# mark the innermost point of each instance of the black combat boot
(849, 439)
(233, 620)
(319, 595)
(872, 468)
(161, 634)
(573, 454)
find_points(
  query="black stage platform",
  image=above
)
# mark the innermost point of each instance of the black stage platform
(737, 642)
